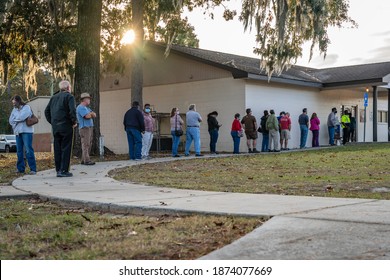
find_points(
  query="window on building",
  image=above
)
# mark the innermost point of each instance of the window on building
(382, 116)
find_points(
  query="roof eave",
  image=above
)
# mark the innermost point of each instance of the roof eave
(357, 83)
(284, 81)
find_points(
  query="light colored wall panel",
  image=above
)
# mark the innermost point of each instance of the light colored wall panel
(223, 95)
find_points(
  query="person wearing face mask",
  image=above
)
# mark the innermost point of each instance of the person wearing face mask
(147, 137)
(332, 122)
(176, 130)
(85, 118)
(24, 135)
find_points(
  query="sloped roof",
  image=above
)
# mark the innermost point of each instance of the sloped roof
(248, 67)
(355, 74)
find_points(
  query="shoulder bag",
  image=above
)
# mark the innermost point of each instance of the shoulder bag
(178, 132)
(30, 121)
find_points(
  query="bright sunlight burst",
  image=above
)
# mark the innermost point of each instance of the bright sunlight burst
(128, 38)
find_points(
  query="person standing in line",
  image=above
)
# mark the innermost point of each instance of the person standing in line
(281, 115)
(303, 121)
(331, 123)
(235, 132)
(24, 135)
(61, 114)
(85, 118)
(176, 130)
(134, 126)
(193, 130)
(272, 125)
(352, 128)
(315, 129)
(147, 137)
(345, 124)
(250, 126)
(213, 127)
(264, 132)
(285, 135)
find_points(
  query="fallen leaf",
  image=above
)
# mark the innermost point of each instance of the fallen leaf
(132, 233)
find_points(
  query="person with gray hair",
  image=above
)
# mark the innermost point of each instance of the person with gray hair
(193, 130)
(61, 114)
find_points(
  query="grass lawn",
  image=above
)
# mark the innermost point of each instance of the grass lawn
(359, 171)
(8, 165)
(41, 230)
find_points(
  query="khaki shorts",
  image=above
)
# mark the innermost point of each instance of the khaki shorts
(251, 134)
(285, 134)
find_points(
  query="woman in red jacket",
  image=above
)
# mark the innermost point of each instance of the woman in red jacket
(236, 133)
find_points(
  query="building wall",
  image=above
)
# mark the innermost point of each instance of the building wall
(42, 130)
(161, 70)
(226, 96)
(38, 105)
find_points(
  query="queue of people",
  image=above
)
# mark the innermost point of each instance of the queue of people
(62, 114)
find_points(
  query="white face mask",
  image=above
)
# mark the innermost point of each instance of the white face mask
(177, 112)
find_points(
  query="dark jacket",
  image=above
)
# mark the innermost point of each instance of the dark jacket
(134, 119)
(263, 125)
(61, 112)
(212, 123)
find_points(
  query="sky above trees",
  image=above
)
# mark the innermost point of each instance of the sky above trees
(368, 43)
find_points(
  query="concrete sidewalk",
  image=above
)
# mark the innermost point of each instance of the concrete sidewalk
(301, 227)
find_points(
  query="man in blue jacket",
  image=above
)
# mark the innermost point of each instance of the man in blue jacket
(61, 114)
(134, 126)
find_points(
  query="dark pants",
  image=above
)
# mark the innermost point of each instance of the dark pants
(213, 140)
(352, 135)
(314, 141)
(134, 140)
(236, 142)
(62, 150)
(345, 135)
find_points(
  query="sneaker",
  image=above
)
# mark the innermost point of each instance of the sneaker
(64, 174)
(255, 151)
(89, 163)
(176, 156)
(138, 159)
(186, 155)
(19, 172)
(250, 151)
(199, 155)
(32, 173)
(82, 162)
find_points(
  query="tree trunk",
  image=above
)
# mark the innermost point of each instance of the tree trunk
(137, 77)
(87, 66)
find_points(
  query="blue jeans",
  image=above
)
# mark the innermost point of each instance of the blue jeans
(175, 143)
(192, 133)
(304, 132)
(24, 140)
(236, 142)
(331, 135)
(134, 140)
(265, 143)
(213, 140)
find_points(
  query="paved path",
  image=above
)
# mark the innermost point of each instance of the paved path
(300, 228)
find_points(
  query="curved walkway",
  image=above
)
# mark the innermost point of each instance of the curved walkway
(301, 227)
